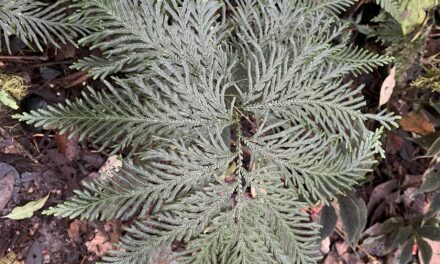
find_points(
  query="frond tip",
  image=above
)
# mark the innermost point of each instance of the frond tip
(37, 23)
(360, 60)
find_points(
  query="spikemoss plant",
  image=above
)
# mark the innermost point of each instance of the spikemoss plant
(240, 115)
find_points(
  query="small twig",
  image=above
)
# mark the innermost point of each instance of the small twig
(48, 64)
(82, 78)
(25, 58)
(358, 5)
(36, 145)
(68, 81)
(243, 115)
(83, 259)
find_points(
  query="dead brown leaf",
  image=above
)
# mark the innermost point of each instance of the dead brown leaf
(7, 180)
(343, 251)
(67, 51)
(387, 204)
(387, 87)
(253, 192)
(342, 248)
(99, 244)
(394, 143)
(330, 259)
(113, 228)
(76, 228)
(6, 188)
(325, 246)
(112, 165)
(67, 146)
(379, 194)
(417, 123)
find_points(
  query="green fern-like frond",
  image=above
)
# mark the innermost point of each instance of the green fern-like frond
(134, 34)
(121, 117)
(37, 23)
(360, 61)
(389, 33)
(318, 166)
(241, 115)
(392, 7)
(333, 6)
(166, 175)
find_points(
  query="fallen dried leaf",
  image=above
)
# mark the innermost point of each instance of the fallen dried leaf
(417, 123)
(342, 247)
(27, 211)
(7, 180)
(394, 143)
(113, 228)
(112, 165)
(99, 244)
(6, 188)
(388, 204)
(331, 259)
(387, 87)
(76, 228)
(379, 193)
(67, 146)
(253, 192)
(325, 246)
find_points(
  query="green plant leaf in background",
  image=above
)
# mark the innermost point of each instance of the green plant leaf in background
(353, 212)
(433, 208)
(432, 180)
(405, 257)
(429, 232)
(401, 236)
(7, 100)
(26, 211)
(436, 105)
(435, 148)
(427, 141)
(435, 203)
(327, 220)
(425, 250)
(392, 224)
(414, 13)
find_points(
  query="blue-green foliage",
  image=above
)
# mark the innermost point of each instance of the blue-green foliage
(37, 23)
(241, 117)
